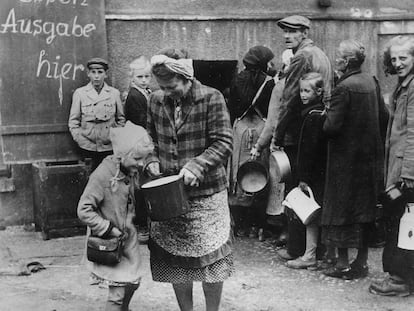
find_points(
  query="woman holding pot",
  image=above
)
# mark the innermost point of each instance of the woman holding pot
(399, 263)
(248, 105)
(190, 126)
(355, 126)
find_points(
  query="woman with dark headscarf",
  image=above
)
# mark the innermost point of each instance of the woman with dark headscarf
(258, 67)
(254, 83)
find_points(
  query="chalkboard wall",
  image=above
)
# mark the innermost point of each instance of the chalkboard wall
(43, 48)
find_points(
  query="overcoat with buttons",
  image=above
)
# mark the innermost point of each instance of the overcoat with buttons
(93, 114)
(355, 125)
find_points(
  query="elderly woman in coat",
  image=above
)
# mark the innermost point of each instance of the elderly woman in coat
(399, 263)
(190, 126)
(107, 208)
(355, 122)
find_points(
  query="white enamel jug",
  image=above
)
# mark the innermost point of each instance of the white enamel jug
(406, 232)
(305, 207)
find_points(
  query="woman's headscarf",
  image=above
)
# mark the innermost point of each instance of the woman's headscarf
(257, 58)
(183, 66)
(249, 80)
(128, 140)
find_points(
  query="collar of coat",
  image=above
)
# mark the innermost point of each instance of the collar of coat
(407, 80)
(105, 88)
(317, 105)
(305, 43)
(93, 94)
(347, 74)
(195, 94)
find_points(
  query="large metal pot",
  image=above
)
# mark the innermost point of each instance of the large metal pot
(279, 162)
(166, 197)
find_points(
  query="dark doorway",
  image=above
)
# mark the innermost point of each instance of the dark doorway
(216, 73)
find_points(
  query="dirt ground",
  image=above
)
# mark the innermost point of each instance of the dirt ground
(261, 281)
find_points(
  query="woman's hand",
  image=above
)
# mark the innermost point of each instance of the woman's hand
(254, 153)
(189, 178)
(409, 183)
(115, 232)
(303, 186)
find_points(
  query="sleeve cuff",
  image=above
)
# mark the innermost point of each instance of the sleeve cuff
(195, 169)
(108, 231)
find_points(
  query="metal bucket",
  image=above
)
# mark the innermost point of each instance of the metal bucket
(252, 177)
(279, 163)
(166, 197)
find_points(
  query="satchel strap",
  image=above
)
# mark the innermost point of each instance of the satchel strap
(252, 105)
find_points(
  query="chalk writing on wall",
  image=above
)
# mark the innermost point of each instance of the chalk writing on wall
(44, 45)
(50, 29)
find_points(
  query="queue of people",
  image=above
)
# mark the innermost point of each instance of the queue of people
(338, 137)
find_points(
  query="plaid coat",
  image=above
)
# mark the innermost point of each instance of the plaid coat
(201, 143)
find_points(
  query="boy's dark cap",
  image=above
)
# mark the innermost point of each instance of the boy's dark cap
(294, 22)
(97, 63)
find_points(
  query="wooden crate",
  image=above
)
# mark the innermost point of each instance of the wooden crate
(57, 188)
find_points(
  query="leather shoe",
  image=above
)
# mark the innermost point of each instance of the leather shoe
(340, 273)
(358, 271)
(284, 255)
(300, 263)
(389, 287)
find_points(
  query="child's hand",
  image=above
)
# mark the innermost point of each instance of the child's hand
(303, 186)
(115, 232)
(409, 183)
(274, 146)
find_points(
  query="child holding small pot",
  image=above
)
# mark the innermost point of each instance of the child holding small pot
(107, 208)
(311, 160)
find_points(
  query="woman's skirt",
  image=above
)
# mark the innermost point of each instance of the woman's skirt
(346, 236)
(195, 246)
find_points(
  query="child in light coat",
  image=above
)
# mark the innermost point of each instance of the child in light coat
(107, 208)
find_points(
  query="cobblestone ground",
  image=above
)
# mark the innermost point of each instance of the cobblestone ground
(261, 282)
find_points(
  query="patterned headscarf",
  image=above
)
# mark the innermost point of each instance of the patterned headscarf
(183, 66)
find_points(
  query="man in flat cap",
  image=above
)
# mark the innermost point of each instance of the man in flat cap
(307, 58)
(96, 107)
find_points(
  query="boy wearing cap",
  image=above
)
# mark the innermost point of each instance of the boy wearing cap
(96, 107)
(307, 58)
(137, 100)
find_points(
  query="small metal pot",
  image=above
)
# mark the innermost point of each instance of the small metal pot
(279, 162)
(252, 177)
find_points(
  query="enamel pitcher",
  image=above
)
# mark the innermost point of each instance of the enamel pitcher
(304, 206)
(406, 232)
